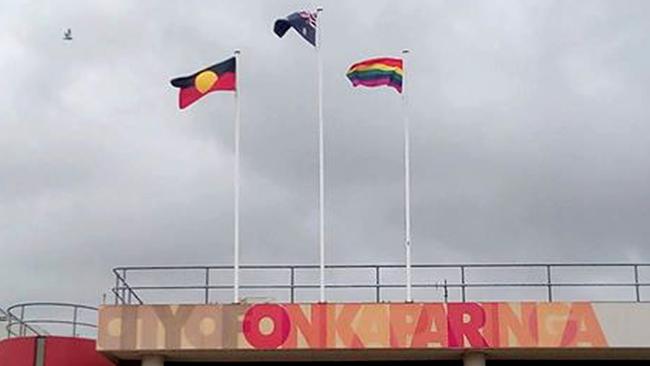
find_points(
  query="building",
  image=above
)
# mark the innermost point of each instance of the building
(457, 330)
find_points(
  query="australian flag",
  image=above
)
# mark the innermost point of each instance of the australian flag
(303, 22)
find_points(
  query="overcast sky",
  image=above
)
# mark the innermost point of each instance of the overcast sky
(530, 136)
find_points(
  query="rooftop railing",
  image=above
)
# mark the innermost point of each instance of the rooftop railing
(51, 318)
(621, 282)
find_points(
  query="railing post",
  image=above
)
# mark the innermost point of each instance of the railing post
(446, 291)
(123, 285)
(377, 286)
(8, 326)
(462, 283)
(117, 285)
(21, 329)
(74, 321)
(636, 283)
(549, 283)
(292, 283)
(207, 285)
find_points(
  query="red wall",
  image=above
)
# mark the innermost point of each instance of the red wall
(64, 351)
(17, 351)
(59, 351)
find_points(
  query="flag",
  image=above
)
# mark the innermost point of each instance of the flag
(382, 71)
(221, 76)
(303, 22)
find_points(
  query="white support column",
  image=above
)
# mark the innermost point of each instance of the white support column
(236, 181)
(407, 181)
(321, 158)
(39, 359)
(153, 361)
(474, 359)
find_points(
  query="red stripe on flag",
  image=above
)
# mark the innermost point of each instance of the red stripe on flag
(187, 96)
(395, 62)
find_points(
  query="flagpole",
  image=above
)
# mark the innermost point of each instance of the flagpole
(407, 181)
(321, 158)
(236, 180)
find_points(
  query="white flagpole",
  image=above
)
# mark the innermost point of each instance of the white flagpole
(236, 180)
(407, 181)
(321, 158)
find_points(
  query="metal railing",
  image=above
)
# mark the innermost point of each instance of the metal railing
(134, 284)
(50, 318)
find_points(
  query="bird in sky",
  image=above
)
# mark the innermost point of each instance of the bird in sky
(67, 35)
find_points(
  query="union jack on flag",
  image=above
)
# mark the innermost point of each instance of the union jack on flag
(303, 22)
(310, 17)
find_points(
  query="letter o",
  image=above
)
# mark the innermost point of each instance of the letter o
(281, 326)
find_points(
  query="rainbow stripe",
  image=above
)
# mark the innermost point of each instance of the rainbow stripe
(382, 71)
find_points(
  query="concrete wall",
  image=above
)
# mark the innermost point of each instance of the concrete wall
(394, 326)
(358, 332)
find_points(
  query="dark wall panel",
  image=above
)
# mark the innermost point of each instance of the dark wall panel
(567, 363)
(353, 363)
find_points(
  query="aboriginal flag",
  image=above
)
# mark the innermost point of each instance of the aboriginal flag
(221, 76)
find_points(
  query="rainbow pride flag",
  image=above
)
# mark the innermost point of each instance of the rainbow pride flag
(383, 71)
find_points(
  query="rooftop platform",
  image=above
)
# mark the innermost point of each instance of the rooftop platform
(538, 311)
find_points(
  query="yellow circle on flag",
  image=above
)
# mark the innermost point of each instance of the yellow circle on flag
(205, 80)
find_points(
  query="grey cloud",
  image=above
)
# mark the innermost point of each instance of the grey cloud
(530, 137)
